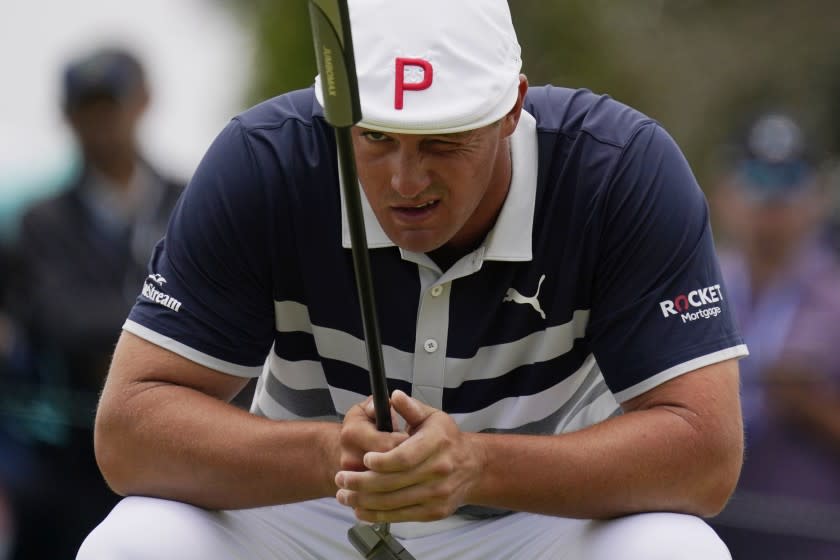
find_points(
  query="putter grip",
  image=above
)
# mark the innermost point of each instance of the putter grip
(376, 544)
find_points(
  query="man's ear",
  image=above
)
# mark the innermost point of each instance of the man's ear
(510, 120)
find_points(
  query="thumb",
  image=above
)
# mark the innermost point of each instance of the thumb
(413, 411)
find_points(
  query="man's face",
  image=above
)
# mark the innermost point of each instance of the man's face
(770, 229)
(777, 227)
(106, 127)
(430, 191)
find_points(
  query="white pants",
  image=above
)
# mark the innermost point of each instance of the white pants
(153, 529)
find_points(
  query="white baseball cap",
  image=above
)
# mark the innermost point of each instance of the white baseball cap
(433, 66)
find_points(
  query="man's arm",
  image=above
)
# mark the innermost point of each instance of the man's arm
(678, 447)
(164, 428)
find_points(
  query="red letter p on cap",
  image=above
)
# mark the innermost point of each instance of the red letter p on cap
(402, 86)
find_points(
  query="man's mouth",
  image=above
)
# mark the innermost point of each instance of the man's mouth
(416, 212)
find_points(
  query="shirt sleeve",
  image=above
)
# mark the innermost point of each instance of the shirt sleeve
(208, 294)
(659, 307)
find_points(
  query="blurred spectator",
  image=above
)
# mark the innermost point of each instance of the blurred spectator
(80, 262)
(15, 458)
(783, 282)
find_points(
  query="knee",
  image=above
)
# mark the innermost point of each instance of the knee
(655, 536)
(141, 528)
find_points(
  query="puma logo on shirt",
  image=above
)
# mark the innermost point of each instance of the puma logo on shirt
(516, 297)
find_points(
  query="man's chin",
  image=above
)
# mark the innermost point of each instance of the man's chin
(417, 241)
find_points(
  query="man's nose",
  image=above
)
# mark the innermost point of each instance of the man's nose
(409, 176)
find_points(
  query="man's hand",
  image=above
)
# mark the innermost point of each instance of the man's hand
(425, 477)
(359, 435)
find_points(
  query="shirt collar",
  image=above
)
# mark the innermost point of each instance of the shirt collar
(510, 238)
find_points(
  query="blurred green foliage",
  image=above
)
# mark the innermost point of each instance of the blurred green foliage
(700, 67)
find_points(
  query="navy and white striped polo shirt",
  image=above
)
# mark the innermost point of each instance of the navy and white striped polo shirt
(598, 281)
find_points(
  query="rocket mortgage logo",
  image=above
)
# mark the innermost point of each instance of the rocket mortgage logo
(696, 304)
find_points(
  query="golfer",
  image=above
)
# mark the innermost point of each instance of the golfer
(556, 334)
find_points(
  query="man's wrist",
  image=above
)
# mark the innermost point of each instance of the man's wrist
(477, 492)
(328, 443)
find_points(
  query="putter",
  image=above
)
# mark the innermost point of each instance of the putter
(330, 21)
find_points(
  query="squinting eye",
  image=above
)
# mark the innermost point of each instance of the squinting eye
(374, 136)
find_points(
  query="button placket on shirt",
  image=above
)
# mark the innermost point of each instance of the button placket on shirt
(430, 350)
(432, 329)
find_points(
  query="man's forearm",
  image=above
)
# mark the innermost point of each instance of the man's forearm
(177, 443)
(648, 460)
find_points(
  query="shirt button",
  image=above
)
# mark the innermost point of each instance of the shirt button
(437, 290)
(430, 345)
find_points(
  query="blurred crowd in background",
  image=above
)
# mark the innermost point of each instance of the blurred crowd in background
(70, 278)
(758, 119)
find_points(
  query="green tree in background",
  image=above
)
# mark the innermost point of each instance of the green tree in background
(284, 56)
